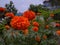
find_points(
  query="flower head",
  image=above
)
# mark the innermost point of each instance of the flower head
(47, 27)
(37, 38)
(25, 32)
(20, 23)
(35, 29)
(11, 15)
(58, 32)
(2, 9)
(35, 24)
(57, 24)
(51, 15)
(29, 14)
(7, 27)
(44, 37)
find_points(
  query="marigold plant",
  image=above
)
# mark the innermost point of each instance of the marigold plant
(30, 28)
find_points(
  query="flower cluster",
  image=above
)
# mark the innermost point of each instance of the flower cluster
(36, 25)
(20, 23)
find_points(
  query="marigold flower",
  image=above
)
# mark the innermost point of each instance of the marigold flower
(37, 38)
(2, 9)
(44, 37)
(25, 32)
(20, 23)
(51, 15)
(57, 24)
(11, 15)
(47, 26)
(7, 27)
(35, 29)
(29, 14)
(58, 32)
(35, 24)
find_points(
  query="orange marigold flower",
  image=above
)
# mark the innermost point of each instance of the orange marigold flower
(51, 15)
(10, 14)
(57, 24)
(25, 32)
(29, 14)
(44, 37)
(20, 23)
(35, 29)
(35, 24)
(37, 38)
(2, 9)
(58, 32)
(47, 26)
(7, 27)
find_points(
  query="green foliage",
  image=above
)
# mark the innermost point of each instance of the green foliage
(2, 24)
(56, 14)
(11, 8)
(44, 11)
(56, 11)
(40, 8)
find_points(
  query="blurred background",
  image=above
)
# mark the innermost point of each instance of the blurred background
(21, 5)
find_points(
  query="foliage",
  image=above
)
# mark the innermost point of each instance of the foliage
(39, 8)
(44, 11)
(11, 8)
